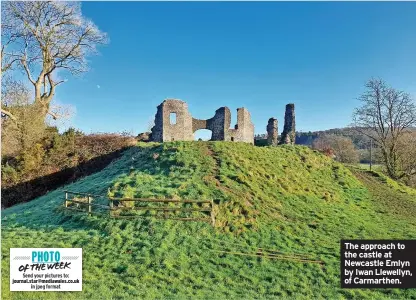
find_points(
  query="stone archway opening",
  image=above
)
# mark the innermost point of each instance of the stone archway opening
(203, 135)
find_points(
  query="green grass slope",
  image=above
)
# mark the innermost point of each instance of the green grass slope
(286, 198)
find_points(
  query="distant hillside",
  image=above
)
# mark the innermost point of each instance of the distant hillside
(360, 141)
(307, 138)
(288, 198)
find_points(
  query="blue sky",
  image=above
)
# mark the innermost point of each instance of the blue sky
(258, 55)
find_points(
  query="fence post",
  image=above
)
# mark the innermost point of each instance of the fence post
(212, 214)
(89, 205)
(66, 199)
(111, 206)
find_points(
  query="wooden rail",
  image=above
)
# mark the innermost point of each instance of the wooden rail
(83, 194)
(208, 220)
(89, 203)
(158, 200)
(163, 208)
(112, 208)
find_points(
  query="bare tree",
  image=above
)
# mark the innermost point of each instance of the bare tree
(8, 61)
(10, 91)
(43, 37)
(384, 117)
(406, 155)
(342, 147)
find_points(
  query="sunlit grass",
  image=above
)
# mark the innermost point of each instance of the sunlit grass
(286, 198)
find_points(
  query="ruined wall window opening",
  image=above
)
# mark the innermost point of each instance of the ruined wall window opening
(203, 135)
(232, 139)
(172, 117)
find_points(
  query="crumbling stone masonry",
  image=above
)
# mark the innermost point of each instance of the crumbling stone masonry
(272, 132)
(289, 133)
(183, 128)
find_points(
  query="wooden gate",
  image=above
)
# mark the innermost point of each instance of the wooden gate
(119, 204)
(83, 202)
(117, 207)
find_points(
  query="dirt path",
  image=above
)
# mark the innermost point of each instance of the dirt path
(388, 200)
(215, 174)
(214, 177)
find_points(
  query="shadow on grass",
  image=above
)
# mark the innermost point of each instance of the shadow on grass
(45, 212)
(29, 190)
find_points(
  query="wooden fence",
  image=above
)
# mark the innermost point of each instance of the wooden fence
(84, 202)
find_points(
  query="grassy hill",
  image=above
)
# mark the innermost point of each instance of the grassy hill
(287, 198)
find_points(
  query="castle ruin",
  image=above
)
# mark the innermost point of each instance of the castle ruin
(173, 122)
(272, 132)
(289, 130)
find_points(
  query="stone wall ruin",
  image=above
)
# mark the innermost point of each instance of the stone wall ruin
(289, 130)
(185, 125)
(272, 132)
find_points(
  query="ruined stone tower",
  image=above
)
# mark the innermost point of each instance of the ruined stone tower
(289, 130)
(272, 132)
(244, 129)
(179, 129)
(182, 126)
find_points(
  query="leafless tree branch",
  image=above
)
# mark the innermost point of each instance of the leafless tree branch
(51, 35)
(384, 116)
(9, 114)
